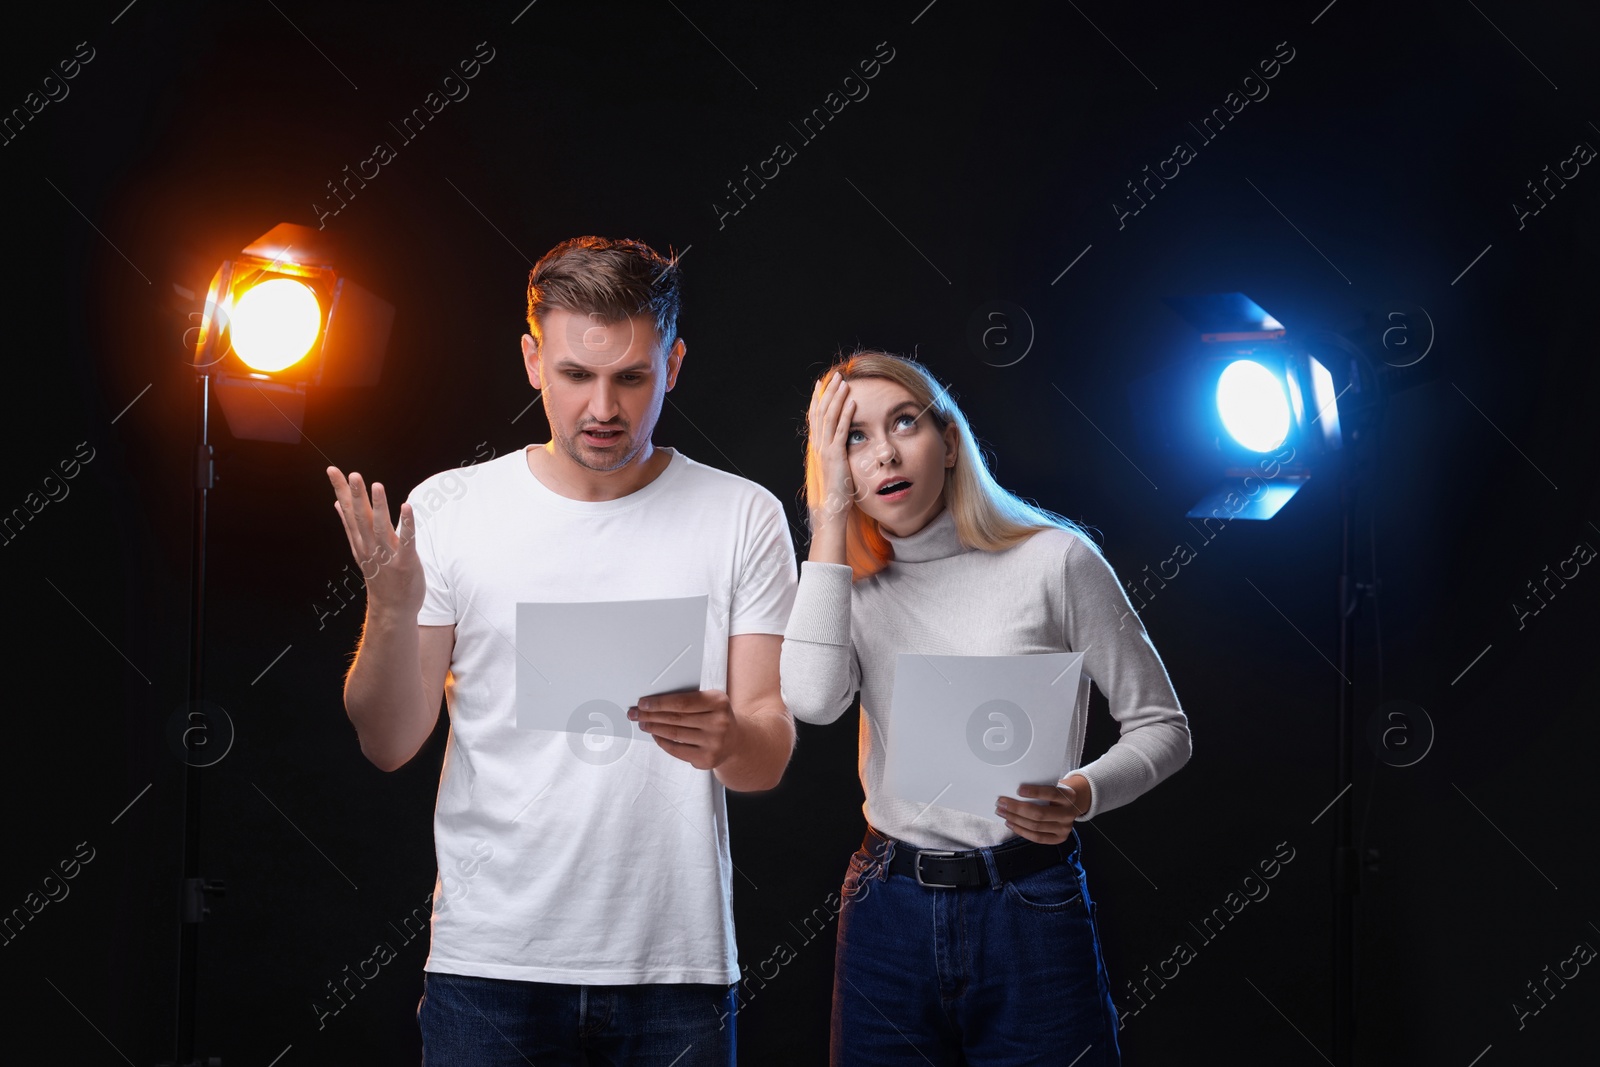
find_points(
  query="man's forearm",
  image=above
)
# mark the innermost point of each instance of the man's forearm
(383, 693)
(766, 743)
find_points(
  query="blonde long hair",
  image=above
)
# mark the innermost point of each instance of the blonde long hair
(987, 516)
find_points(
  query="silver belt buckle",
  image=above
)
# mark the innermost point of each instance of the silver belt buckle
(917, 867)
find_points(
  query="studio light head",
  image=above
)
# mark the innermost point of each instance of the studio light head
(280, 317)
(1252, 400)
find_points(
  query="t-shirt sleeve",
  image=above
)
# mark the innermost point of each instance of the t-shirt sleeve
(438, 604)
(764, 595)
(1100, 622)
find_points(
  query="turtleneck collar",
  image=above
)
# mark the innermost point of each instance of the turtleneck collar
(936, 540)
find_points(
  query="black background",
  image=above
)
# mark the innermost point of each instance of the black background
(983, 162)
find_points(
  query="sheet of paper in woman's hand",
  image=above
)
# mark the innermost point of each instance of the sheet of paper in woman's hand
(963, 730)
(580, 666)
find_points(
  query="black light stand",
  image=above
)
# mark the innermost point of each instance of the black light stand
(195, 888)
(1360, 417)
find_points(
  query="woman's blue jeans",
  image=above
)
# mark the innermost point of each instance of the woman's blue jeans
(468, 1021)
(992, 975)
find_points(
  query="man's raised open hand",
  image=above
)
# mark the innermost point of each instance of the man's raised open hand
(387, 557)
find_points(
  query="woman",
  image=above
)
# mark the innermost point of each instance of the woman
(961, 938)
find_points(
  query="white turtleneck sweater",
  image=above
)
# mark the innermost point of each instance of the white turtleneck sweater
(1053, 592)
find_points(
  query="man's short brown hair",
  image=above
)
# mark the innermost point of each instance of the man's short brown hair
(614, 279)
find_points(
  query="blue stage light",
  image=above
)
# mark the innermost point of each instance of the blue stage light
(1253, 405)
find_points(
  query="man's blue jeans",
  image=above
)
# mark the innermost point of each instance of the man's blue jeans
(994, 975)
(488, 1022)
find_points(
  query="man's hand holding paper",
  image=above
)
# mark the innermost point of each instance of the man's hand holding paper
(699, 728)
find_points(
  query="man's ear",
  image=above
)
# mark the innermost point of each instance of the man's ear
(675, 356)
(530, 359)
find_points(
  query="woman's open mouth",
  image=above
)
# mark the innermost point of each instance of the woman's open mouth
(895, 490)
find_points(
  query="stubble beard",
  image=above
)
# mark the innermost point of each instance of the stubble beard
(578, 452)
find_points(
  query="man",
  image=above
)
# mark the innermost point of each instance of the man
(583, 907)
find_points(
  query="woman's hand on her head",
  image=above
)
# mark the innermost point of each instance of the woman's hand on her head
(829, 426)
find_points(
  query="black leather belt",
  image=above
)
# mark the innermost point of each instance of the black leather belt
(936, 867)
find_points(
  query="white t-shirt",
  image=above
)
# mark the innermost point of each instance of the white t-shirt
(555, 868)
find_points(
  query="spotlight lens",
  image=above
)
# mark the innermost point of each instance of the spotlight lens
(274, 324)
(1253, 406)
